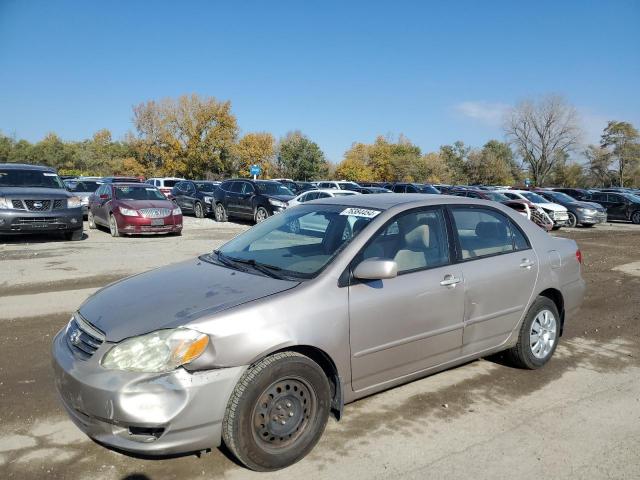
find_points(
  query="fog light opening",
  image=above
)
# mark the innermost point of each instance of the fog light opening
(146, 434)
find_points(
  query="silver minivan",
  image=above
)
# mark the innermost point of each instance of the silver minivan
(255, 344)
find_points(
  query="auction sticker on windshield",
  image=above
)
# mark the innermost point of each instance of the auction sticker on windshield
(360, 212)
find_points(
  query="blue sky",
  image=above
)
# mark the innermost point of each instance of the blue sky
(338, 71)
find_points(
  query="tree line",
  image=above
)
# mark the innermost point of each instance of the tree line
(198, 137)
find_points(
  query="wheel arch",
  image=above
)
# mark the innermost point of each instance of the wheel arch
(556, 297)
(329, 367)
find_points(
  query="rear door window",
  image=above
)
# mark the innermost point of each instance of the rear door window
(483, 232)
(236, 187)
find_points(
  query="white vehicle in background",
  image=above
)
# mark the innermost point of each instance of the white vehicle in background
(557, 213)
(321, 193)
(164, 184)
(339, 185)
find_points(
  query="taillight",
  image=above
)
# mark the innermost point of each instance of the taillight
(579, 256)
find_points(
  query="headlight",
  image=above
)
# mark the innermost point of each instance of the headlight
(74, 202)
(277, 203)
(588, 211)
(160, 351)
(176, 211)
(208, 199)
(84, 200)
(4, 203)
(128, 212)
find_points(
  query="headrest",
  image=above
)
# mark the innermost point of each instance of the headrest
(418, 238)
(491, 230)
(359, 225)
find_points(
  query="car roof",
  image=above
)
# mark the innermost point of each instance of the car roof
(24, 166)
(331, 190)
(131, 184)
(385, 202)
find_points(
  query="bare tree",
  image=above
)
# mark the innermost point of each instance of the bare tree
(542, 133)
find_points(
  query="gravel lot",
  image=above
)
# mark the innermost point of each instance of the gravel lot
(579, 417)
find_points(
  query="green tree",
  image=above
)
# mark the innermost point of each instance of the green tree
(300, 158)
(598, 165)
(455, 157)
(621, 138)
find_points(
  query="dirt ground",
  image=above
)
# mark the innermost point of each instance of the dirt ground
(579, 417)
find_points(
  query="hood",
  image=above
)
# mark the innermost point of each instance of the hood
(590, 205)
(555, 207)
(173, 296)
(34, 193)
(282, 198)
(138, 204)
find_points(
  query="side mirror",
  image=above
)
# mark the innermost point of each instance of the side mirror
(376, 269)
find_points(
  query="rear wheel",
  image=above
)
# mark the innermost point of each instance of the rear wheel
(91, 221)
(277, 411)
(220, 213)
(199, 211)
(538, 337)
(572, 221)
(261, 214)
(635, 217)
(113, 226)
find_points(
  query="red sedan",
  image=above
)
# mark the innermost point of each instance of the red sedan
(133, 208)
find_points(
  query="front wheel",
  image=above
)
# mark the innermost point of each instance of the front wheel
(573, 220)
(261, 214)
(113, 226)
(277, 411)
(635, 217)
(220, 213)
(199, 211)
(538, 337)
(92, 221)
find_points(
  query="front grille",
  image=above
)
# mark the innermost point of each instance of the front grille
(59, 204)
(17, 204)
(28, 220)
(155, 212)
(38, 205)
(82, 338)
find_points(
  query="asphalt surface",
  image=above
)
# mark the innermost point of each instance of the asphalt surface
(579, 417)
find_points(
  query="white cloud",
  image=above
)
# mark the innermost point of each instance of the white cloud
(485, 112)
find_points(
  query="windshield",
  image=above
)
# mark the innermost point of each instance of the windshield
(126, 192)
(273, 188)
(534, 197)
(29, 178)
(561, 197)
(299, 242)
(426, 189)
(496, 197)
(82, 186)
(205, 186)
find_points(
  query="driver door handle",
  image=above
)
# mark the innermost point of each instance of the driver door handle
(450, 281)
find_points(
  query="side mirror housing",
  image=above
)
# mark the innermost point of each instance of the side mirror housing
(376, 269)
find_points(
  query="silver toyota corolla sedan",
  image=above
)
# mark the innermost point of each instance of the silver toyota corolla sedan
(256, 343)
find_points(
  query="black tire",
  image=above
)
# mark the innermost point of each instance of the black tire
(198, 210)
(261, 215)
(635, 217)
(91, 221)
(522, 354)
(74, 236)
(113, 226)
(220, 213)
(273, 391)
(573, 220)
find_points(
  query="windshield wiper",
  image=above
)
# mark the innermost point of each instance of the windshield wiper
(269, 270)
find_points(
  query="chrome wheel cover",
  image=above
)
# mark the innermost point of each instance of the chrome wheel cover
(543, 334)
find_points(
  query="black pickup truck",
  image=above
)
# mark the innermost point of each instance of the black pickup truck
(33, 199)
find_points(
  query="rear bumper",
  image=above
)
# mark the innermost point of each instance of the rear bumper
(143, 413)
(573, 295)
(21, 221)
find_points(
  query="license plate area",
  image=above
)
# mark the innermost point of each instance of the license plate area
(157, 222)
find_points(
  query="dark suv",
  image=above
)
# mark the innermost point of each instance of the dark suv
(620, 206)
(33, 199)
(194, 196)
(250, 199)
(413, 188)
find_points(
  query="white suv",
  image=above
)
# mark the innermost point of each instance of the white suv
(164, 184)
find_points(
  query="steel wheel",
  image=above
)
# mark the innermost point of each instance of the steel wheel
(261, 215)
(198, 210)
(543, 333)
(283, 412)
(573, 220)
